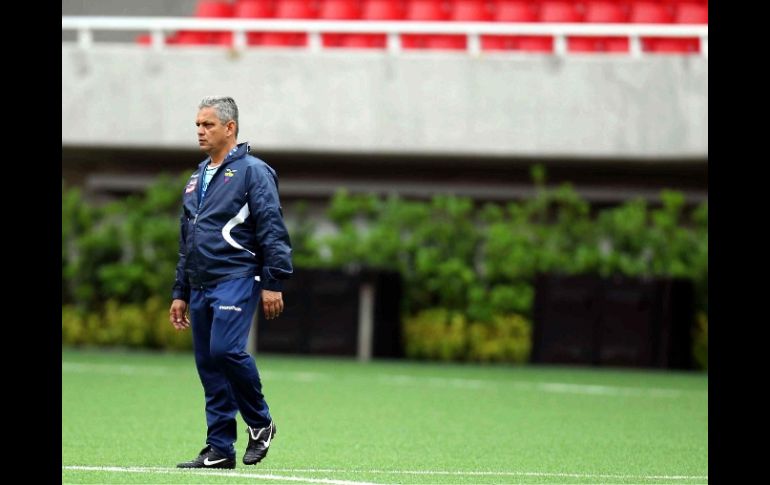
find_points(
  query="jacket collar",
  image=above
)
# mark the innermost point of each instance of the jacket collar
(240, 151)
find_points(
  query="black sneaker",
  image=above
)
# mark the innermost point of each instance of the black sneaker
(209, 458)
(259, 442)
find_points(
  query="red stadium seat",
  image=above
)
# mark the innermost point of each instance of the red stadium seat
(214, 8)
(560, 11)
(516, 11)
(685, 12)
(605, 12)
(143, 39)
(254, 9)
(290, 9)
(602, 12)
(375, 10)
(691, 12)
(652, 12)
(425, 10)
(461, 11)
(295, 9)
(206, 9)
(190, 37)
(471, 11)
(338, 10)
(383, 9)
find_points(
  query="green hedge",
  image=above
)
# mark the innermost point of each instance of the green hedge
(438, 334)
(481, 261)
(473, 262)
(128, 324)
(125, 251)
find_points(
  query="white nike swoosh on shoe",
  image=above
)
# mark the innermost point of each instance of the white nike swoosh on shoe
(212, 462)
(269, 436)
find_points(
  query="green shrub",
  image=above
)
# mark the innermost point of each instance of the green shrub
(124, 251)
(507, 338)
(125, 325)
(73, 331)
(163, 335)
(435, 333)
(306, 251)
(440, 334)
(515, 332)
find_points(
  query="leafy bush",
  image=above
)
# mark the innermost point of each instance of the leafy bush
(508, 338)
(305, 246)
(435, 333)
(440, 334)
(129, 324)
(125, 251)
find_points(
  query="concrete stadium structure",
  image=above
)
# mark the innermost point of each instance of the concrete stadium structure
(416, 124)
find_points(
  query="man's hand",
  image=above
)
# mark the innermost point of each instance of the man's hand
(177, 315)
(272, 303)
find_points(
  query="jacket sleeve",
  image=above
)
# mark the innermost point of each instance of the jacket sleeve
(181, 289)
(271, 234)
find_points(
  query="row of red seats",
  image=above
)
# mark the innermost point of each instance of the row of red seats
(650, 11)
(593, 11)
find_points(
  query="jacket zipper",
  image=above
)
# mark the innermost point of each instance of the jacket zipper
(200, 208)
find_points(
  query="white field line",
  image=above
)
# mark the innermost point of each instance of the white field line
(78, 367)
(490, 473)
(146, 370)
(402, 380)
(533, 483)
(392, 472)
(556, 387)
(179, 471)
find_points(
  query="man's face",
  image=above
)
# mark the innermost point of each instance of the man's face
(212, 134)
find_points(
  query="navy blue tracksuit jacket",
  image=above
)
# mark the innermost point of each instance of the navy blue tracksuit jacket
(237, 231)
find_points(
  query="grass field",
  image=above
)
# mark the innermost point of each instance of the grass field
(130, 417)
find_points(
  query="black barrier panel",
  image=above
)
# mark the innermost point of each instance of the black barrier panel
(619, 321)
(628, 326)
(286, 334)
(565, 316)
(323, 311)
(676, 310)
(388, 291)
(332, 317)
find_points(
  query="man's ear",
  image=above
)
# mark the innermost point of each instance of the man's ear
(231, 127)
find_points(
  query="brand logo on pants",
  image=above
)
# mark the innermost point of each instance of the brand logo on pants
(230, 308)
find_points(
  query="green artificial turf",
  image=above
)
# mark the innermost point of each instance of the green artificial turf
(129, 417)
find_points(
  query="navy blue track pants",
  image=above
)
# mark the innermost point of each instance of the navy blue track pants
(221, 318)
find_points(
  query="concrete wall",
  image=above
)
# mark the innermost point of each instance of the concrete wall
(370, 102)
(151, 8)
(118, 8)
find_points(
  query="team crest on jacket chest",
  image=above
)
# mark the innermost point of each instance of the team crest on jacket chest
(229, 174)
